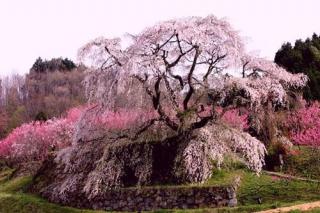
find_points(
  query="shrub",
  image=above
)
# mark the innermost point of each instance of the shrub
(304, 125)
(34, 141)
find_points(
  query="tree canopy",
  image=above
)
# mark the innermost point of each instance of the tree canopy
(187, 65)
(303, 57)
(54, 64)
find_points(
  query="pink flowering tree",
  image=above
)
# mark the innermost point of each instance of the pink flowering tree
(34, 141)
(304, 125)
(183, 70)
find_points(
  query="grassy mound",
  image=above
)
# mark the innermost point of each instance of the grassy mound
(13, 199)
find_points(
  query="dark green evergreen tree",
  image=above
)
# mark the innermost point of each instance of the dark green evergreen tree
(303, 57)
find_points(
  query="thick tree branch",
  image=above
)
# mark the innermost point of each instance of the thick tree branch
(156, 95)
(177, 77)
(244, 69)
(172, 95)
(191, 89)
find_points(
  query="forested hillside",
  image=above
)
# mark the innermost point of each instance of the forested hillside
(46, 91)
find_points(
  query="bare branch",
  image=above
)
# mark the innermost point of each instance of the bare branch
(212, 65)
(159, 46)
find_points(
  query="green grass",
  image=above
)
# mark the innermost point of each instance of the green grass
(223, 177)
(14, 200)
(304, 164)
(273, 191)
(273, 194)
(316, 210)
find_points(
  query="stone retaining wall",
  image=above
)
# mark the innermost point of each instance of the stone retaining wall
(152, 198)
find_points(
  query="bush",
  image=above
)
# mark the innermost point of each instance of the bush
(34, 141)
(304, 125)
(303, 161)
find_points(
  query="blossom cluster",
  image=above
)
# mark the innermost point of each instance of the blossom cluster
(304, 125)
(235, 119)
(122, 118)
(220, 140)
(33, 141)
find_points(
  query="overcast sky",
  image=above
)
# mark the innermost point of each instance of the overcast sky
(54, 28)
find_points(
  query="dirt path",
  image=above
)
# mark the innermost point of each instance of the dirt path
(301, 207)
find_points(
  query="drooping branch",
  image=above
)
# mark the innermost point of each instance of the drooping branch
(113, 56)
(143, 81)
(104, 63)
(174, 63)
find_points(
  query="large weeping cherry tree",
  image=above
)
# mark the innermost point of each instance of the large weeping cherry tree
(185, 69)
